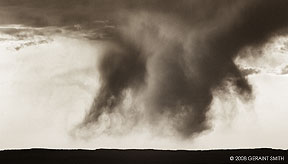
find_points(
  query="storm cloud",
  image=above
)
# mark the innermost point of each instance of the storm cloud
(186, 50)
(168, 55)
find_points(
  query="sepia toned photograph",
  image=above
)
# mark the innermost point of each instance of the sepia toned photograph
(144, 81)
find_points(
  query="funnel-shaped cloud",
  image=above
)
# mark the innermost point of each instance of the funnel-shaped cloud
(178, 53)
(167, 56)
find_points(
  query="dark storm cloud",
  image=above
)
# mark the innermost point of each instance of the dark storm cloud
(170, 54)
(188, 48)
(55, 12)
(120, 67)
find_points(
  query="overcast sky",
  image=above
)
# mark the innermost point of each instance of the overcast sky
(186, 75)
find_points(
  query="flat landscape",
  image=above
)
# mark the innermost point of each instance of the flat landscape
(144, 156)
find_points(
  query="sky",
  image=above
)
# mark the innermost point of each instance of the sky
(134, 74)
